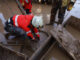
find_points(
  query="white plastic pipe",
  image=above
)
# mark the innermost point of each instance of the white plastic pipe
(2, 18)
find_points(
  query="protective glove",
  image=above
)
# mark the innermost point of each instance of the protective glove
(34, 39)
(73, 1)
(38, 38)
(71, 4)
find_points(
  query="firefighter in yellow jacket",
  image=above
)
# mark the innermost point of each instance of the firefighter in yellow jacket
(60, 5)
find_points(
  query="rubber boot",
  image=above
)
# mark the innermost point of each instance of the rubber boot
(55, 25)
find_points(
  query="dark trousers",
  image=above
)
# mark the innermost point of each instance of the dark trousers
(13, 30)
(43, 1)
(56, 5)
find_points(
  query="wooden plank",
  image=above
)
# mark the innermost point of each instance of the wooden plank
(13, 44)
(42, 49)
(12, 53)
(48, 50)
(67, 41)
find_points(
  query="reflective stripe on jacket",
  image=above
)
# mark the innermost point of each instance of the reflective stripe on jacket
(23, 21)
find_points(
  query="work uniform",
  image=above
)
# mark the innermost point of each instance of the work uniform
(21, 23)
(60, 5)
(27, 5)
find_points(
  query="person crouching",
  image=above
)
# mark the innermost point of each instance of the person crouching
(24, 25)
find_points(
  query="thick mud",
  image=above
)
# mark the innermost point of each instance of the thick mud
(56, 53)
(9, 8)
(27, 47)
(47, 28)
(32, 46)
(7, 54)
(74, 32)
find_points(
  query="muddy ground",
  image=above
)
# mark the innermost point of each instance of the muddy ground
(74, 32)
(56, 53)
(10, 8)
(70, 28)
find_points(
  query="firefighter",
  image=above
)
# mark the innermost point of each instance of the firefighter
(27, 5)
(60, 5)
(24, 25)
